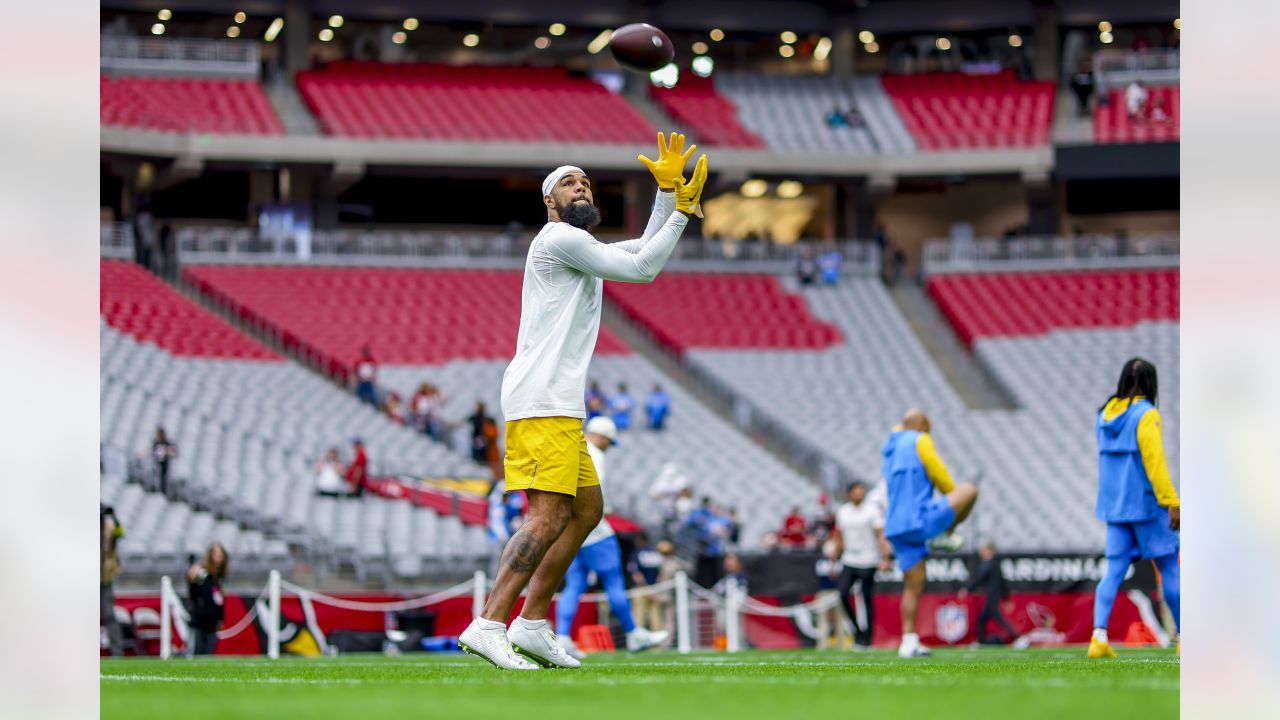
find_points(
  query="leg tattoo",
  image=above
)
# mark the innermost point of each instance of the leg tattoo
(527, 550)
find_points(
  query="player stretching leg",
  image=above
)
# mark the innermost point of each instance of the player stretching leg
(915, 520)
(544, 386)
(1135, 496)
(600, 553)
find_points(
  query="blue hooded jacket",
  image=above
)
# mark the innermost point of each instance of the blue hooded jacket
(1125, 493)
(907, 483)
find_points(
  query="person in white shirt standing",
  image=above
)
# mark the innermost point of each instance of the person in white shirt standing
(861, 549)
(601, 554)
(543, 394)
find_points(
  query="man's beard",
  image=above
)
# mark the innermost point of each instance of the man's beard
(582, 216)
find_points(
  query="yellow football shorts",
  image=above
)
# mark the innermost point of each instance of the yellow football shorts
(548, 453)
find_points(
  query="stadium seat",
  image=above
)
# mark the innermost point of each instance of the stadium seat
(202, 105)
(711, 116)
(1112, 124)
(406, 316)
(138, 303)
(955, 111)
(474, 102)
(686, 310)
(980, 305)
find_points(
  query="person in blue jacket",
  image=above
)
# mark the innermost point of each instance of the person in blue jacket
(1135, 495)
(916, 522)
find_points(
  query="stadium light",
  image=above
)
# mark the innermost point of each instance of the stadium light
(822, 49)
(872, 48)
(716, 34)
(1015, 40)
(326, 35)
(942, 44)
(1104, 26)
(787, 37)
(411, 23)
(599, 42)
(1106, 38)
(399, 37)
(233, 31)
(164, 14)
(790, 189)
(866, 36)
(699, 48)
(556, 29)
(667, 76)
(336, 21)
(703, 66)
(273, 30)
(1177, 23)
(471, 40)
(786, 51)
(542, 43)
(240, 17)
(754, 188)
(157, 29)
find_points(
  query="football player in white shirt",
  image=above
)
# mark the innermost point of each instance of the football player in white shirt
(861, 549)
(544, 387)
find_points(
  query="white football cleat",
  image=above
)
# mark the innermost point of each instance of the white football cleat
(642, 639)
(492, 645)
(539, 644)
(569, 646)
(914, 649)
(947, 542)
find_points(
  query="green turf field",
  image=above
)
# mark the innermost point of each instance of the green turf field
(954, 684)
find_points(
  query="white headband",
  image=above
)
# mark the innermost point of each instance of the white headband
(550, 182)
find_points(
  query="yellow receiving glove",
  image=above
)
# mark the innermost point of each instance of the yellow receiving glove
(689, 197)
(671, 159)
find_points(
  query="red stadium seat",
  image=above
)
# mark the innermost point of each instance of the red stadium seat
(411, 317)
(138, 303)
(1112, 124)
(1009, 304)
(693, 310)
(950, 111)
(201, 105)
(475, 102)
(711, 116)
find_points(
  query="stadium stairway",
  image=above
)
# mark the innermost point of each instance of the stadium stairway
(967, 376)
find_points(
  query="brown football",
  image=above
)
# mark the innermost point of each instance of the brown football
(641, 47)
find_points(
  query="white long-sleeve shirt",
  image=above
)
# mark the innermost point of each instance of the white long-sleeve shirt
(560, 308)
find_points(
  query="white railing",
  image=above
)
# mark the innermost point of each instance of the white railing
(1116, 67)
(1051, 253)
(180, 55)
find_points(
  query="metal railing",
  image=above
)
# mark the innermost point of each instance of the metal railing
(1116, 67)
(444, 248)
(184, 55)
(1052, 253)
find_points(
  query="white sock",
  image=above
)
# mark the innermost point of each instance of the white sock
(531, 624)
(910, 639)
(489, 624)
(1100, 634)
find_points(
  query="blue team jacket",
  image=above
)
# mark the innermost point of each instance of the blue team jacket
(907, 482)
(1124, 490)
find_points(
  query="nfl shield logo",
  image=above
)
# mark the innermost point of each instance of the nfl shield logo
(952, 623)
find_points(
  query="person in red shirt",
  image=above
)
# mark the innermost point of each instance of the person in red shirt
(358, 470)
(367, 377)
(793, 529)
